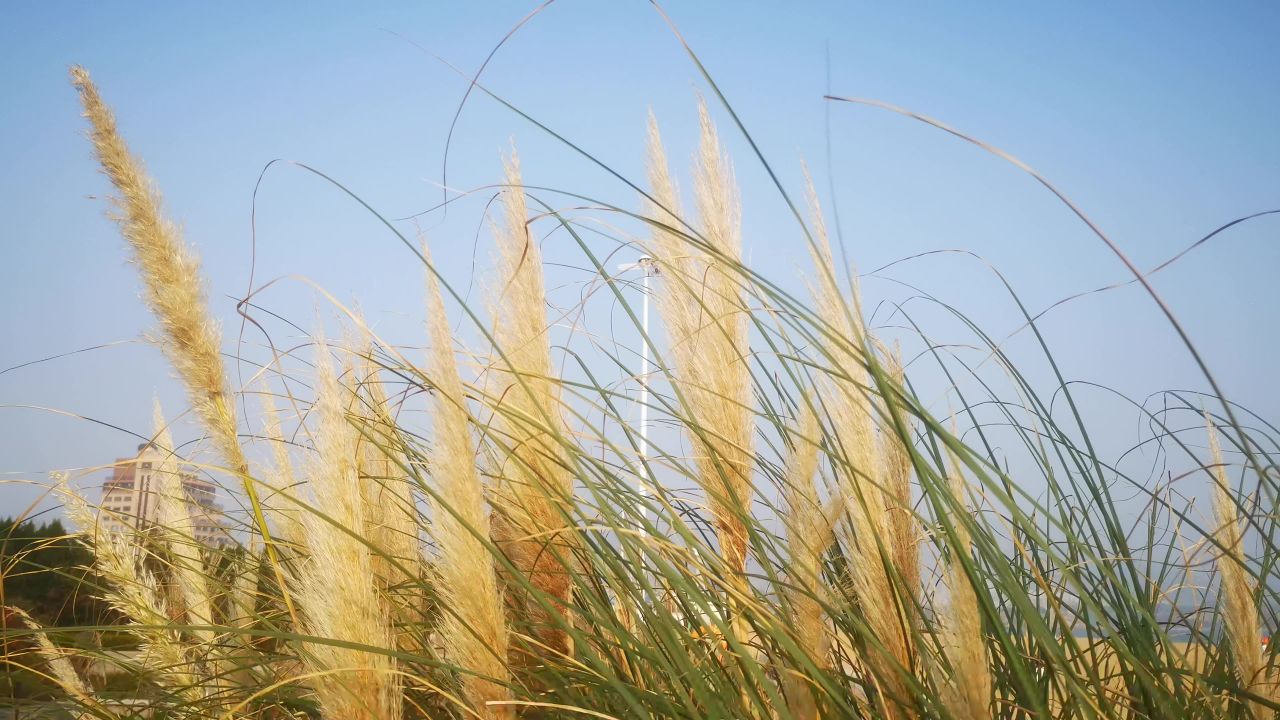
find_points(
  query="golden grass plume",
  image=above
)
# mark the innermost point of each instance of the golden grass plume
(173, 290)
(474, 630)
(1236, 593)
(706, 319)
(176, 525)
(967, 691)
(903, 529)
(808, 537)
(278, 475)
(863, 476)
(536, 484)
(337, 588)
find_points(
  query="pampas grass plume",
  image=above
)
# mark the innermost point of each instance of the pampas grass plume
(176, 532)
(474, 630)
(862, 472)
(1236, 596)
(337, 589)
(808, 536)
(173, 289)
(707, 321)
(967, 692)
(537, 485)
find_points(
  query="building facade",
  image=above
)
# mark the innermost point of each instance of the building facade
(130, 495)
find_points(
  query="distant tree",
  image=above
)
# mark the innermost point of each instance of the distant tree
(47, 572)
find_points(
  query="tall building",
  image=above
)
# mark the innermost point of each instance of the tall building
(129, 498)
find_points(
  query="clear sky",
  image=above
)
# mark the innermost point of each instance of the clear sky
(1159, 119)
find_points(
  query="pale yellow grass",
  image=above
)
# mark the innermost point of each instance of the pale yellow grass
(176, 529)
(474, 628)
(337, 587)
(282, 509)
(132, 589)
(808, 537)
(536, 486)
(391, 517)
(174, 290)
(904, 530)
(874, 571)
(968, 687)
(706, 319)
(1236, 594)
(58, 659)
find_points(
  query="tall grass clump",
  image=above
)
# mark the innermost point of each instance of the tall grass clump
(801, 536)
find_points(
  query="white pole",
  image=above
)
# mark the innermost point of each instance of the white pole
(645, 265)
(648, 269)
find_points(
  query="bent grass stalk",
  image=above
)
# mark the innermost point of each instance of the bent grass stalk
(174, 290)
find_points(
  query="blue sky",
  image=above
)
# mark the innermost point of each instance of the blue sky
(1158, 119)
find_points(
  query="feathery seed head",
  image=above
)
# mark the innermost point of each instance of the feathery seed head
(967, 692)
(535, 487)
(177, 532)
(475, 632)
(173, 286)
(707, 321)
(337, 589)
(1236, 592)
(808, 537)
